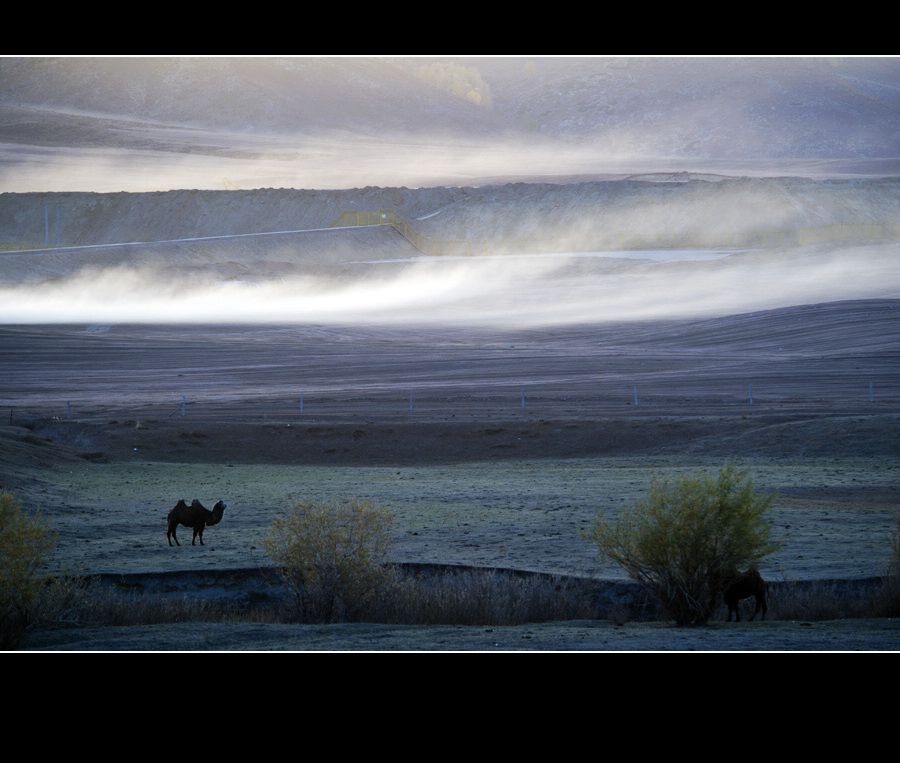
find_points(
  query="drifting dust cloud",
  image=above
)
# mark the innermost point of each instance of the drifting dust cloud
(513, 291)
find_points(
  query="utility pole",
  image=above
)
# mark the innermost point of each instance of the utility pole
(47, 224)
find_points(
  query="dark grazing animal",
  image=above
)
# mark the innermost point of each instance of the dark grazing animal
(196, 516)
(744, 586)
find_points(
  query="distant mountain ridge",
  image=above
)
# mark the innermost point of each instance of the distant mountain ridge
(718, 107)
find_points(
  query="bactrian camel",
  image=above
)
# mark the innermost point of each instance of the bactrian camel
(195, 516)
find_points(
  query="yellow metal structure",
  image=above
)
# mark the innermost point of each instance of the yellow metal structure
(4, 247)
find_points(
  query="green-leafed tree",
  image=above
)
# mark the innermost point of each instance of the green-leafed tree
(689, 539)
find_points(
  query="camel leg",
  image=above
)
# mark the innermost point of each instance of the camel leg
(756, 611)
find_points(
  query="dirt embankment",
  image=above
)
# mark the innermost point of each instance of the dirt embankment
(662, 204)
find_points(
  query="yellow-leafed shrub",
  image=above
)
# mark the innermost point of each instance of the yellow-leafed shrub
(333, 556)
(25, 543)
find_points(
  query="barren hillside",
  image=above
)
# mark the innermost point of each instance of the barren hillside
(173, 172)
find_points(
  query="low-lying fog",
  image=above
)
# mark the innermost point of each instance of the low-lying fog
(516, 291)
